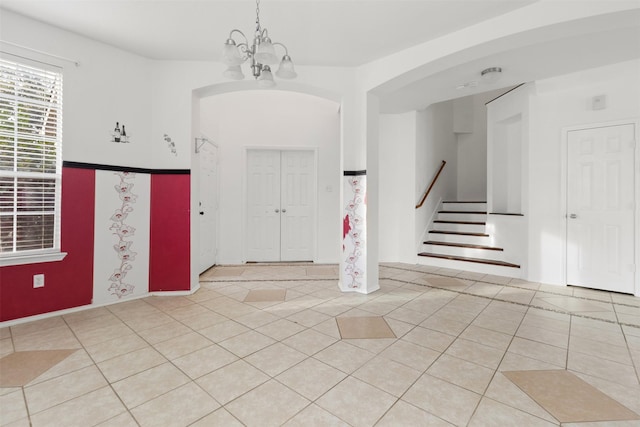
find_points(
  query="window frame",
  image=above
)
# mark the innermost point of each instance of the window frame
(53, 253)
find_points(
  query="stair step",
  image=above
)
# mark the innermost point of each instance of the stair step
(463, 201)
(463, 245)
(464, 212)
(458, 233)
(476, 260)
(446, 221)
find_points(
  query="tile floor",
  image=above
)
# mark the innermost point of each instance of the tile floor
(227, 356)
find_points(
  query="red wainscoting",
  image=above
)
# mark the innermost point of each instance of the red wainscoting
(68, 283)
(169, 257)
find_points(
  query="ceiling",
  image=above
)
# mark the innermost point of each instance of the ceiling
(351, 33)
(316, 32)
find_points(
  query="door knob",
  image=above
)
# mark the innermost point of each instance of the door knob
(573, 216)
(277, 210)
(284, 210)
(201, 213)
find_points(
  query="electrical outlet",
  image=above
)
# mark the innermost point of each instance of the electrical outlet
(38, 280)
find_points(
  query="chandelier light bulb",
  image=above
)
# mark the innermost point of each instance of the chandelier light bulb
(266, 78)
(286, 69)
(266, 53)
(231, 54)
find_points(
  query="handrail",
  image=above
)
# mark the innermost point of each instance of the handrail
(433, 181)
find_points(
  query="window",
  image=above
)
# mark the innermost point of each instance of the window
(30, 161)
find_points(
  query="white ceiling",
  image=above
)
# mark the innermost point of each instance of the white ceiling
(316, 32)
(351, 33)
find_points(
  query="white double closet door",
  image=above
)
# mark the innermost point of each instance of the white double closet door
(280, 205)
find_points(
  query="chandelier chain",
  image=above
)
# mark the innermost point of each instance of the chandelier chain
(257, 16)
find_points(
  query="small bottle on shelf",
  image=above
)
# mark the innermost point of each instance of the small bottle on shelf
(123, 136)
(116, 133)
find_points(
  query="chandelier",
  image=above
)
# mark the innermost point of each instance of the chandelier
(262, 54)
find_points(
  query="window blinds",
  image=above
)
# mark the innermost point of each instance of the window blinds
(30, 157)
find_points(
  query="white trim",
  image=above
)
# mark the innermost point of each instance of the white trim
(563, 189)
(31, 259)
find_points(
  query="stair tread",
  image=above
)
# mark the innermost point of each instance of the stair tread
(476, 260)
(444, 221)
(463, 245)
(464, 212)
(462, 201)
(458, 233)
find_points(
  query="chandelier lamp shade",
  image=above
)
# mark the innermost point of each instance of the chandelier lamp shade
(261, 54)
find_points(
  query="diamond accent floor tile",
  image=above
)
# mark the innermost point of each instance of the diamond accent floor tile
(364, 327)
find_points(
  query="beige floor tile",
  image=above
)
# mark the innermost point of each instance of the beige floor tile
(308, 318)
(166, 304)
(202, 321)
(255, 320)
(604, 350)
(539, 351)
(280, 329)
(411, 355)
(56, 338)
(374, 346)
(149, 384)
(182, 345)
(484, 289)
(462, 373)
(102, 334)
(492, 413)
(6, 346)
(203, 361)
(12, 407)
(261, 295)
(79, 359)
(85, 410)
(20, 368)
(403, 414)
(344, 357)
(179, 407)
(315, 416)
(61, 389)
(109, 349)
(387, 375)
(629, 396)
(399, 327)
(568, 398)
(489, 357)
(275, 359)
(123, 420)
(364, 327)
(218, 418)
(231, 381)
(131, 363)
(504, 391)
(309, 342)
(602, 368)
(270, 404)
(520, 296)
(434, 340)
(164, 332)
(247, 343)
(147, 321)
(328, 327)
(222, 331)
(409, 316)
(487, 337)
(36, 326)
(346, 401)
(443, 399)
(311, 378)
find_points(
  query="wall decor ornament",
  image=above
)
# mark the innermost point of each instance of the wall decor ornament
(123, 232)
(170, 144)
(353, 232)
(119, 134)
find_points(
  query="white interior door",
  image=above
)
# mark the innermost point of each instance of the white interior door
(280, 205)
(601, 203)
(208, 206)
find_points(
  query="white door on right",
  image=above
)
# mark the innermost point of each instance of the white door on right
(600, 208)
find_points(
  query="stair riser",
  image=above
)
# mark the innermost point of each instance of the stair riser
(464, 252)
(462, 217)
(464, 207)
(468, 228)
(453, 238)
(471, 266)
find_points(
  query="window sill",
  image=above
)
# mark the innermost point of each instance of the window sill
(32, 259)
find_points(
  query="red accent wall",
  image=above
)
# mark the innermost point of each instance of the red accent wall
(68, 283)
(169, 257)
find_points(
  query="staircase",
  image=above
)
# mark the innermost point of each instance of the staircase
(458, 239)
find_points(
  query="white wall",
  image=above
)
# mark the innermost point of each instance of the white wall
(274, 119)
(435, 142)
(397, 187)
(109, 86)
(472, 145)
(562, 102)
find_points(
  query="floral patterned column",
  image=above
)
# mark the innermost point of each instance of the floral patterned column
(353, 263)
